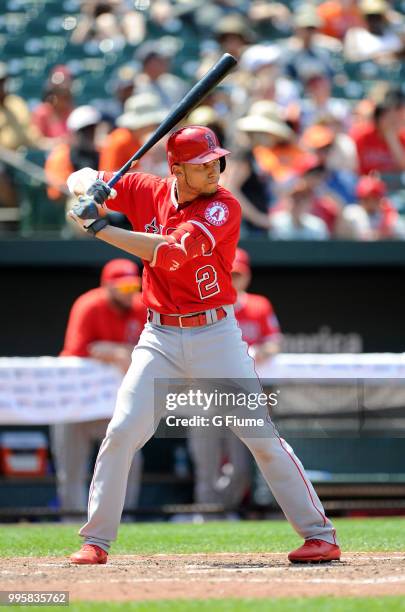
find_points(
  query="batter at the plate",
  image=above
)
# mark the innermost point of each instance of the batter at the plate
(186, 229)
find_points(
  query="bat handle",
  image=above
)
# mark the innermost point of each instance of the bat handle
(118, 175)
(114, 180)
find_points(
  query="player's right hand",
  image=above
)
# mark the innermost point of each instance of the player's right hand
(99, 191)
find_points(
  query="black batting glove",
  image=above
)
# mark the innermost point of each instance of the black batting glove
(99, 191)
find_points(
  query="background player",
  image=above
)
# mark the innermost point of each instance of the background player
(186, 229)
(222, 465)
(104, 323)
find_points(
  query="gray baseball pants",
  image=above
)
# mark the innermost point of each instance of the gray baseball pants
(72, 444)
(207, 453)
(211, 351)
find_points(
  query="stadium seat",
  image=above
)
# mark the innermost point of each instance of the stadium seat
(16, 23)
(3, 41)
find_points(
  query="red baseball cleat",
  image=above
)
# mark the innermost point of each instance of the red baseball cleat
(89, 554)
(315, 551)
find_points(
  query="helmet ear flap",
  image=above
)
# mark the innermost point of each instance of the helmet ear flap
(222, 163)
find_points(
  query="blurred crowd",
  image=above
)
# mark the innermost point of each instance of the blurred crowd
(311, 161)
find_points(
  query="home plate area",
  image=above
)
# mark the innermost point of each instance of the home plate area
(139, 577)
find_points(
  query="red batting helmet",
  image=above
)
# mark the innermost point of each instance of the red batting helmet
(194, 144)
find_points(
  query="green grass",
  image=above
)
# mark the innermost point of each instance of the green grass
(380, 534)
(315, 604)
(255, 536)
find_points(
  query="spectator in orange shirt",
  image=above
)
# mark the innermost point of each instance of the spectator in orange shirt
(79, 153)
(338, 16)
(275, 151)
(142, 113)
(381, 143)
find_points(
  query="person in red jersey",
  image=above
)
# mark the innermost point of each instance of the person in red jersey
(104, 324)
(381, 142)
(185, 228)
(222, 465)
(374, 217)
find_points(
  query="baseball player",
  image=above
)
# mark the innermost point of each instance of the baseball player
(261, 331)
(104, 324)
(186, 228)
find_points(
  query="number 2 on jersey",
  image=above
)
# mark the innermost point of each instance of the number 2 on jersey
(206, 278)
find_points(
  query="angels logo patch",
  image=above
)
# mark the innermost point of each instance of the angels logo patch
(152, 227)
(217, 213)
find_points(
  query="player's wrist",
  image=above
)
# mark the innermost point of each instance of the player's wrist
(96, 227)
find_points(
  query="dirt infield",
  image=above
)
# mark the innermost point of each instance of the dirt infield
(132, 577)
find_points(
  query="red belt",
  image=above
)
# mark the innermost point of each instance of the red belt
(197, 319)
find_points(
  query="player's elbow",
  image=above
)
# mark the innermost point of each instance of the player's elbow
(169, 256)
(183, 245)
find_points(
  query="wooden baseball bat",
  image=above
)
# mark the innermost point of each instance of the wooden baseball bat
(198, 92)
